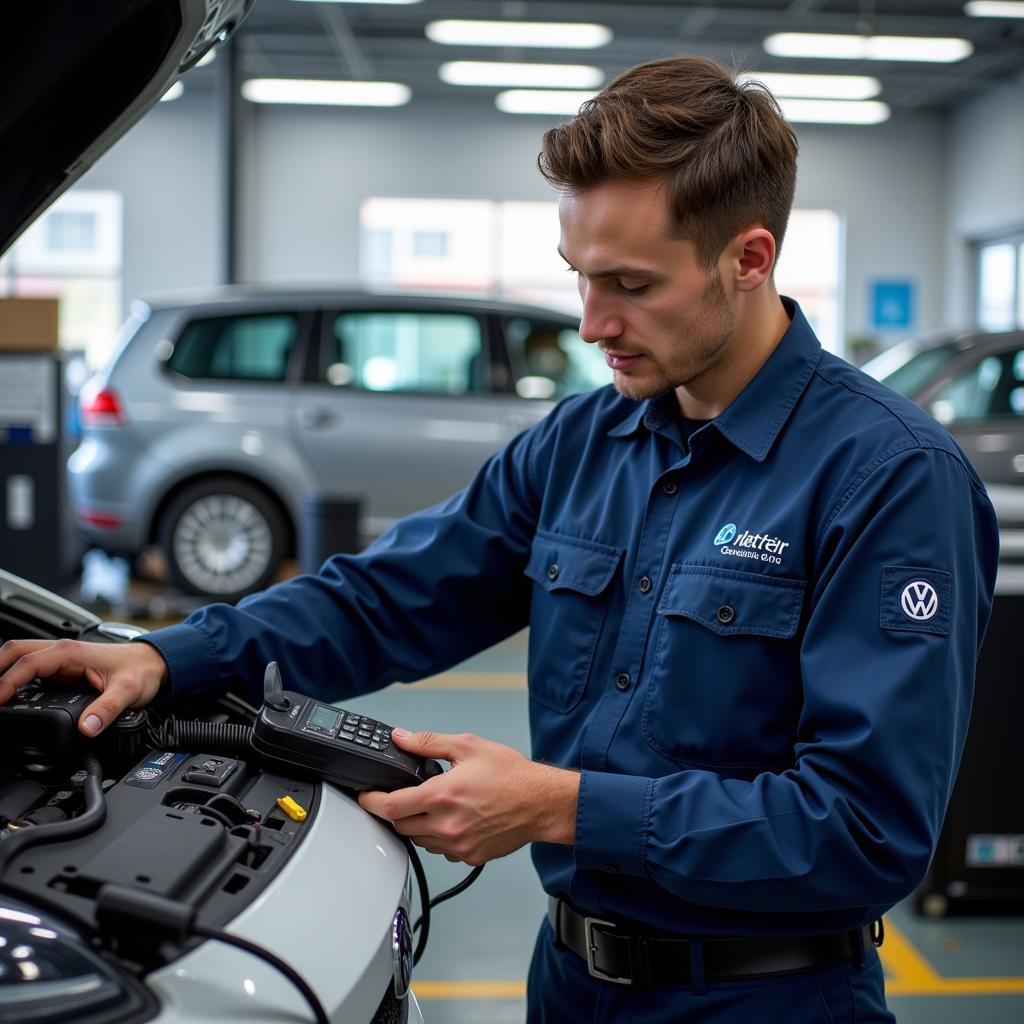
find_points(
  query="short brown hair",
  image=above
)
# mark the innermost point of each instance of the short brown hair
(725, 151)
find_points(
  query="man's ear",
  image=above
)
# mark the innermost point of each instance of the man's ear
(751, 258)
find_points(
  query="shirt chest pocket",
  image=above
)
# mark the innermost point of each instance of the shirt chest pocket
(724, 688)
(570, 598)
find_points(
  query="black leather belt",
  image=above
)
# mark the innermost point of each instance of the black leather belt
(628, 954)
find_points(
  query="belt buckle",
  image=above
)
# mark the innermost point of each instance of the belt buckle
(592, 968)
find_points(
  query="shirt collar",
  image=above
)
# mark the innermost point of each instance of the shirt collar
(753, 419)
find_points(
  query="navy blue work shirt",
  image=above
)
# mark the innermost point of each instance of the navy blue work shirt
(758, 649)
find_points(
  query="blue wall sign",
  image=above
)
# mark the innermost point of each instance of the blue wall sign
(892, 305)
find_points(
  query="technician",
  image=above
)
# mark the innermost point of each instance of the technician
(756, 582)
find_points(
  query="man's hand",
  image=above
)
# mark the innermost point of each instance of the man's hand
(127, 675)
(492, 801)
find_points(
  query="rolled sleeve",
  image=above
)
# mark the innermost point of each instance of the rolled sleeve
(612, 822)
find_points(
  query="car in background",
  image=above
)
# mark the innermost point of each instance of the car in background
(220, 413)
(972, 383)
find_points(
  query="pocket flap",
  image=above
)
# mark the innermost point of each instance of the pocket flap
(565, 563)
(730, 602)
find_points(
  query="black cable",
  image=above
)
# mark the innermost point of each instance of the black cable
(456, 889)
(421, 881)
(89, 820)
(275, 961)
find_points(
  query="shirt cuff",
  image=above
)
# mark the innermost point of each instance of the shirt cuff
(191, 665)
(612, 818)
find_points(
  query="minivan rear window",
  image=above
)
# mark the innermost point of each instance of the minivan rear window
(252, 347)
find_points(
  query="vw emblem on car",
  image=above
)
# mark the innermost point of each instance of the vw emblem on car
(919, 601)
(725, 534)
(401, 952)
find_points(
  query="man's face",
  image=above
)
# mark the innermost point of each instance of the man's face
(660, 319)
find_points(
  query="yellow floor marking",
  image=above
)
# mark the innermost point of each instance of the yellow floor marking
(469, 989)
(475, 681)
(910, 974)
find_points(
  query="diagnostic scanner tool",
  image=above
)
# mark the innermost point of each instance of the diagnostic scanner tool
(338, 746)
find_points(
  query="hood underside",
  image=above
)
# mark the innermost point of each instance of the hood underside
(74, 76)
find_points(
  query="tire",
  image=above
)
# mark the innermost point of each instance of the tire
(222, 538)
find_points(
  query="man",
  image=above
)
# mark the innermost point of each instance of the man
(756, 582)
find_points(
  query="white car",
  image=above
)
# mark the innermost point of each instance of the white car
(163, 881)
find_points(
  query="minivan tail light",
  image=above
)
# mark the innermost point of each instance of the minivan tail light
(101, 408)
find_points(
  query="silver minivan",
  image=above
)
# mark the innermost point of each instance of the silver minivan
(221, 413)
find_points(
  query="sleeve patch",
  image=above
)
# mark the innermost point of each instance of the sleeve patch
(916, 599)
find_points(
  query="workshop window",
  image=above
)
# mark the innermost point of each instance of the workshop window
(73, 252)
(999, 297)
(509, 250)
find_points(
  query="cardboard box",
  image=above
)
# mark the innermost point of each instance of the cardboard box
(28, 325)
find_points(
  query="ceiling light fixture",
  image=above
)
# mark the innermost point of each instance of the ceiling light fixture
(834, 111)
(326, 93)
(365, 1)
(994, 9)
(542, 101)
(829, 87)
(943, 50)
(504, 73)
(561, 35)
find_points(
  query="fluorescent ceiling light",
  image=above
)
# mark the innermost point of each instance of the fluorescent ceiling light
(563, 35)
(943, 50)
(834, 111)
(173, 93)
(542, 101)
(831, 87)
(994, 9)
(328, 93)
(499, 73)
(365, 1)
(207, 58)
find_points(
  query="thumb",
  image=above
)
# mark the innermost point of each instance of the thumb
(426, 743)
(99, 714)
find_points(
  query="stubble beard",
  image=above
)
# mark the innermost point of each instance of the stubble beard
(701, 343)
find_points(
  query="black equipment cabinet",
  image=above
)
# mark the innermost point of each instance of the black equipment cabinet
(979, 863)
(32, 498)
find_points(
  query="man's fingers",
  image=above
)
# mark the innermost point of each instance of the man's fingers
(447, 746)
(26, 659)
(402, 803)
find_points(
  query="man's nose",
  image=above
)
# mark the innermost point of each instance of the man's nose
(599, 321)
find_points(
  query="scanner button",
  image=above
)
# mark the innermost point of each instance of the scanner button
(375, 746)
(361, 741)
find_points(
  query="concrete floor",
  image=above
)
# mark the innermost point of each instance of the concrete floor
(474, 969)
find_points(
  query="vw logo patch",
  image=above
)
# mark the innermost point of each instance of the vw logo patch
(725, 534)
(919, 601)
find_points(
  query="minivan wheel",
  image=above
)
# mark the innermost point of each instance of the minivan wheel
(222, 538)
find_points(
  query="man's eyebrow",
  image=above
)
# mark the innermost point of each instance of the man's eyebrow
(623, 271)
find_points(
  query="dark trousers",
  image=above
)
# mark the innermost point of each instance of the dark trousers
(560, 991)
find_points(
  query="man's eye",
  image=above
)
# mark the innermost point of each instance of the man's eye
(631, 291)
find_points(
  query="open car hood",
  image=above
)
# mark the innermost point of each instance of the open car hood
(74, 77)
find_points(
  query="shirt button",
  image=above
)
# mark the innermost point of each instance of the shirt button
(725, 615)
(645, 584)
(552, 572)
(622, 681)
(669, 487)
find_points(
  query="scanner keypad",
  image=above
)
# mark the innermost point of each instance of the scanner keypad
(365, 732)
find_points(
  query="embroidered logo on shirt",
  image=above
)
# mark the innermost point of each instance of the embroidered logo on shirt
(919, 601)
(726, 534)
(762, 547)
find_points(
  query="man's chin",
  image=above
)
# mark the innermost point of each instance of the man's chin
(638, 389)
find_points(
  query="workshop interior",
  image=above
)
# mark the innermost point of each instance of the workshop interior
(276, 275)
